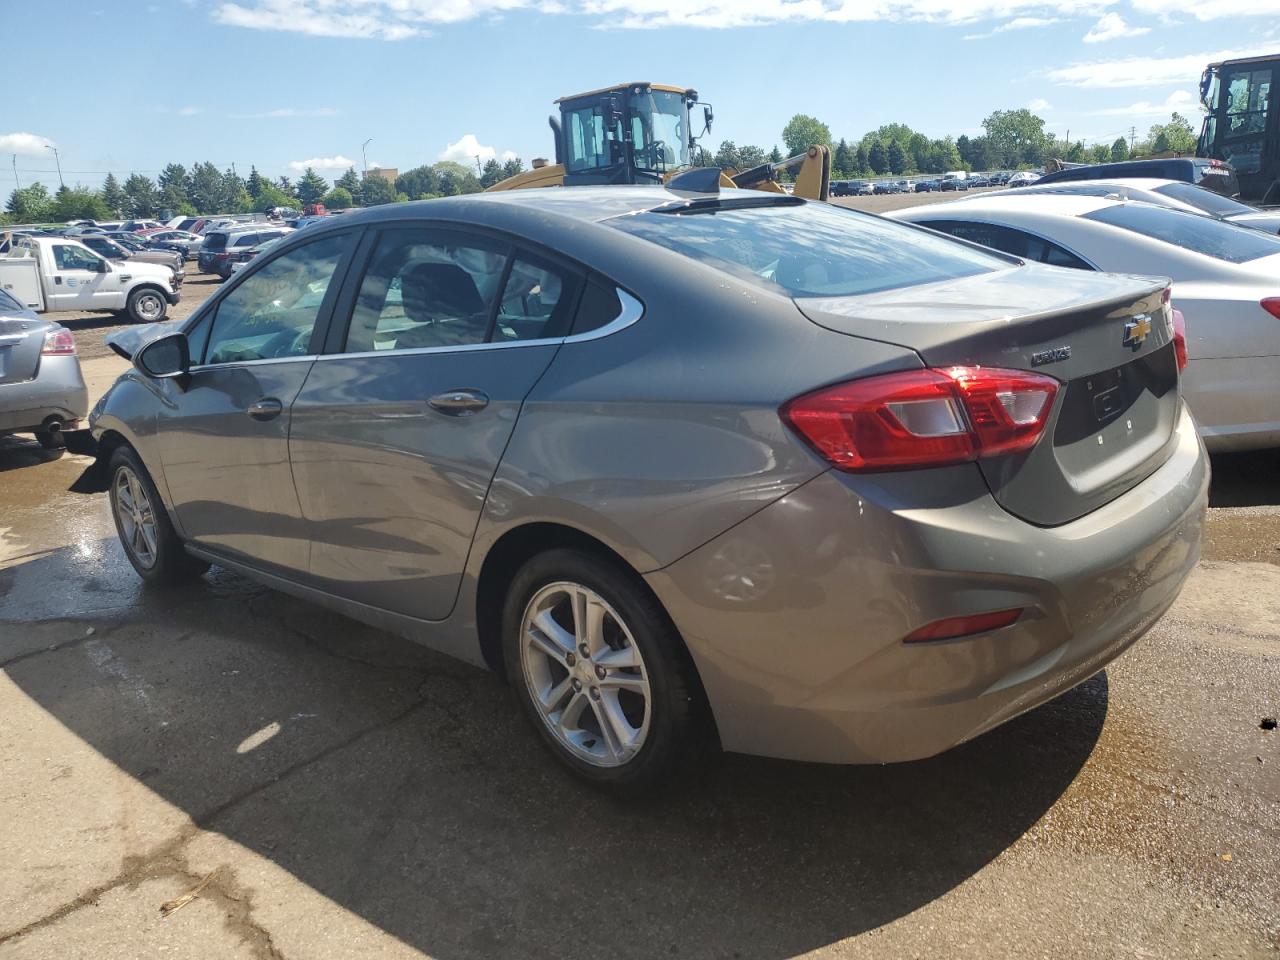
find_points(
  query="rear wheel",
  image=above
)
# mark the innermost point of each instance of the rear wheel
(146, 305)
(148, 538)
(600, 671)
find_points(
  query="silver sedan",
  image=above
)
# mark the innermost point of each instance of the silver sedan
(41, 388)
(1226, 283)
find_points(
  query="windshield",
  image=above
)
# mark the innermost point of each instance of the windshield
(1206, 200)
(811, 249)
(659, 140)
(1190, 231)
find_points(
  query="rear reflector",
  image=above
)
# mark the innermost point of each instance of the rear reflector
(1272, 306)
(58, 343)
(923, 418)
(1180, 338)
(953, 627)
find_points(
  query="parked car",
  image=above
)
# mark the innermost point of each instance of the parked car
(241, 258)
(1213, 175)
(840, 188)
(1175, 194)
(887, 186)
(979, 181)
(900, 538)
(42, 391)
(106, 247)
(953, 183)
(1226, 283)
(867, 188)
(187, 243)
(927, 186)
(906, 186)
(60, 273)
(215, 255)
(191, 224)
(137, 225)
(1023, 178)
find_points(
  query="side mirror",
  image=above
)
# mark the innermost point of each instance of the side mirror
(104, 267)
(165, 358)
(707, 117)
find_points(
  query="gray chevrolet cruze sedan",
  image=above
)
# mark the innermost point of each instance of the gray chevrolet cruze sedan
(690, 470)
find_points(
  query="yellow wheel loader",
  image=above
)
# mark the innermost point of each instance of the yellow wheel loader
(638, 133)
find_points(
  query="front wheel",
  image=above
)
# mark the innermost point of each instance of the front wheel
(149, 540)
(146, 305)
(600, 671)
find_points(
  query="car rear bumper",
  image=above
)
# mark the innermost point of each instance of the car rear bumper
(57, 393)
(796, 617)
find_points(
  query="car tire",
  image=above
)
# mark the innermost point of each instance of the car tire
(634, 675)
(146, 305)
(50, 439)
(142, 523)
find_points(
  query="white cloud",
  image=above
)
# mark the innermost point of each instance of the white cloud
(28, 144)
(1144, 71)
(188, 111)
(1017, 23)
(1179, 100)
(286, 112)
(1167, 9)
(1111, 26)
(466, 149)
(1039, 104)
(322, 163)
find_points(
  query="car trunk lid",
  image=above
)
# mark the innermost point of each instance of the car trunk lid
(21, 341)
(1106, 338)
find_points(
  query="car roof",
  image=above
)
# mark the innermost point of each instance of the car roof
(1054, 204)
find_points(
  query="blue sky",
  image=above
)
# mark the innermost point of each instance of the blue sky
(278, 83)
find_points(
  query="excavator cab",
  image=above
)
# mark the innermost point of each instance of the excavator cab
(631, 133)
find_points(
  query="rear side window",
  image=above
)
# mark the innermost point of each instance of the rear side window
(1190, 231)
(537, 302)
(810, 249)
(1023, 245)
(599, 306)
(247, 240)
(8, 303)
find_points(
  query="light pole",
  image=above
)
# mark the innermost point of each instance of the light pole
(16, 182)
(364, 156)
(58, 161)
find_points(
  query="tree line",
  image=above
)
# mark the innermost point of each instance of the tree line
(1011, 139)
(205, 189)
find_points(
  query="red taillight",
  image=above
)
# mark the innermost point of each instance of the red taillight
(1272, 306)
(923, 418)
(953, 627)
(58, 343)
(1180, 338)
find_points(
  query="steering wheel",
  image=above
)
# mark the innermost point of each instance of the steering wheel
(287, 343)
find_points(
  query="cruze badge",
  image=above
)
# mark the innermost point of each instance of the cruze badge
(1136, 330)
(1054, 355)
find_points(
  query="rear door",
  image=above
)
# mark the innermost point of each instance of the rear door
(224, 434)
(396, 437)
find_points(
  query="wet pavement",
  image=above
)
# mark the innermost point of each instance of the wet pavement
(346, 794)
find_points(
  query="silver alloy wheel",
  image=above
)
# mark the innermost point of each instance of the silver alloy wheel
(585, 674)
(136, 516)
(150, 306)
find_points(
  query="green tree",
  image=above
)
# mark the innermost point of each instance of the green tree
(1017, 137)
(339, 198)
(726, 157)
(454, 178)
(490, 175)
(377, 190)
(79, 203)
(172, 184)
(878, 157)
(285, 184)
(897, 157)
(1099, 153)
(513, 167)
(749, 155)
(206, 189)
(311, 186)
(141, 196)
(803, 131)
(863, 155)
(269, 196)
(775, 155)
(421, 182)
(31, 204)
(350, 181)
(113, 195)
(1176, 136)
(1119, 150)
(256, 182)
(843, 160)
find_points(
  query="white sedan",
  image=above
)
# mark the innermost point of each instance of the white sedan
(1226, 282)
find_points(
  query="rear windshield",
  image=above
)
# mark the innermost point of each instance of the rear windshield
(1213, 238)
(215, 242)
(1204, 199)
(813, 249)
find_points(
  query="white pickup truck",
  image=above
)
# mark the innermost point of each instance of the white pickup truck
(58, 273)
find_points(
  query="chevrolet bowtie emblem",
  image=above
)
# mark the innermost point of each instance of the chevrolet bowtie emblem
(1136, 331)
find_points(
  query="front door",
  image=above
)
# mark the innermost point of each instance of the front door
(77, 279)
(224, 434)
(394, 442)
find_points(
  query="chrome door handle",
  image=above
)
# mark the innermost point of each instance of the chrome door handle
(459, 403)
(268, 408)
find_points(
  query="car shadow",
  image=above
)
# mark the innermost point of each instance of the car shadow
(405, 787)
(1246, 479)
(18, 451)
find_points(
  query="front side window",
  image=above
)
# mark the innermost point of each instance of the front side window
(426, 288)
(1190, 231)
(68, 257)
(272, 313)
(811, 249)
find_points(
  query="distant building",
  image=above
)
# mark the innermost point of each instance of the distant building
(386, 173)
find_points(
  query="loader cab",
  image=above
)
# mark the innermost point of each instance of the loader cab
(634, 133)
(1242, 125)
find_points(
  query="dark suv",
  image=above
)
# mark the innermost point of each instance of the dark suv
(221, 247)
(1212, 174)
